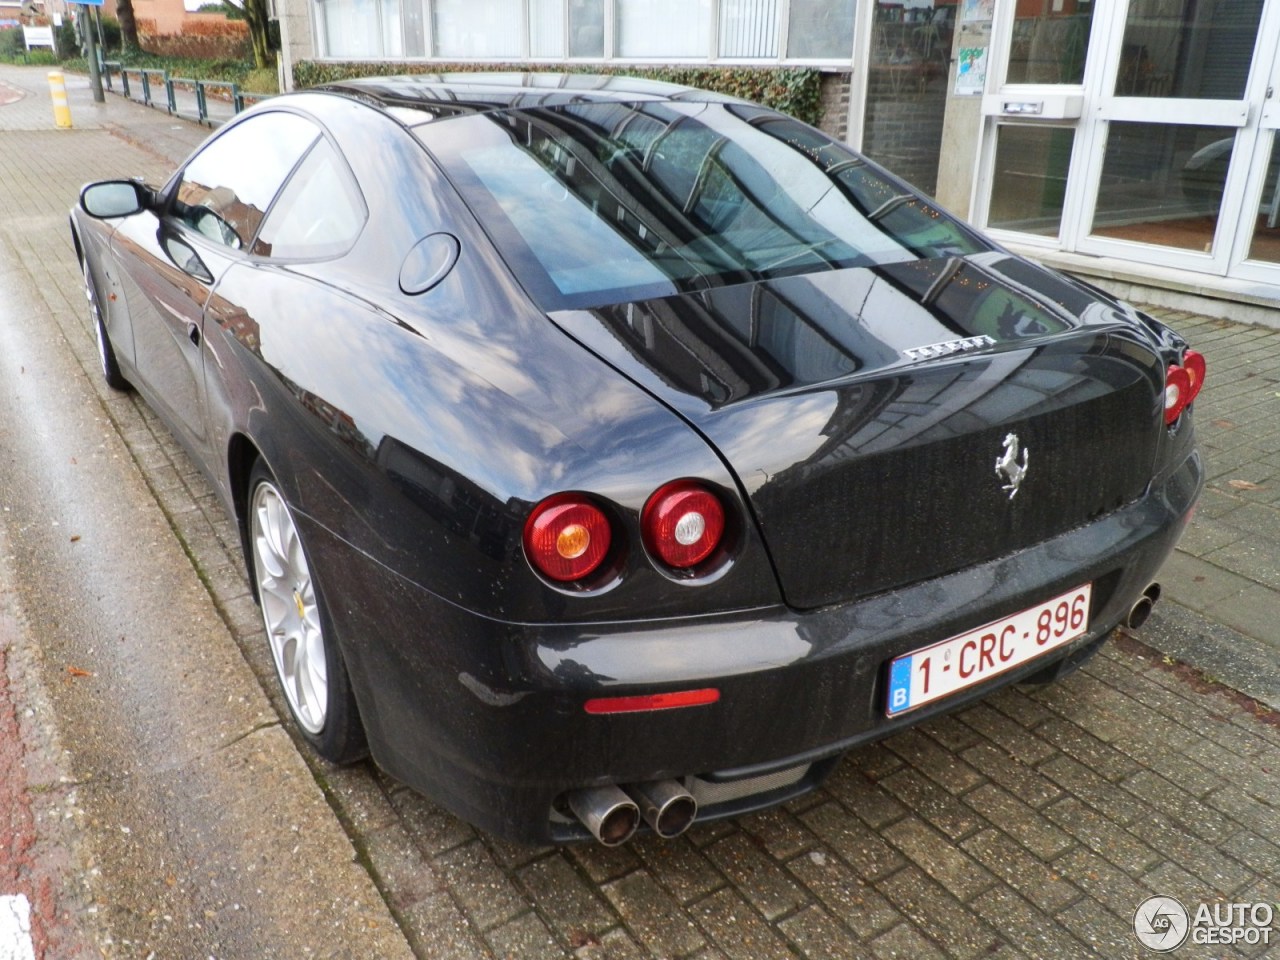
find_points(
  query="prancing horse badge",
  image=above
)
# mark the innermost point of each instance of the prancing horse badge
(1008, 467)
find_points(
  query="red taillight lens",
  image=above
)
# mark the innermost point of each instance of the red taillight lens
(682, 523)
(567, 537)
(1177, 393)
(1194, 364)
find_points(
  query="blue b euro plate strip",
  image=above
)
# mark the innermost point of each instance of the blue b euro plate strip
(900, 686)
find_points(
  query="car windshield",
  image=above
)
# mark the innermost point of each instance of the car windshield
(602, 203)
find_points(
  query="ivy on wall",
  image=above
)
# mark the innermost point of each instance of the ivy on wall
(791, 90)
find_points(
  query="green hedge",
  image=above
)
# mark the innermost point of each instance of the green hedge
(11, 46)
(790, 90)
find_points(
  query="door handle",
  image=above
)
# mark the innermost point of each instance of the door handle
(193, 333)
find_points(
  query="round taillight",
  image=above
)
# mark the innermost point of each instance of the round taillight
(1177, 393)
(682, 523)
(567, 537)
(1194, 364)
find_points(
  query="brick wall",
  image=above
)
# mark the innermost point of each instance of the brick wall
(903, 128)
(834, 98)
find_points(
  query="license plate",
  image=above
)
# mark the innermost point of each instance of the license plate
(940, 670)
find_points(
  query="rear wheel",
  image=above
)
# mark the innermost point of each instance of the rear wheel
(306, 656)
(106, 353)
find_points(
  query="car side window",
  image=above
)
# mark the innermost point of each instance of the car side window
(227, 188)
(319, 213)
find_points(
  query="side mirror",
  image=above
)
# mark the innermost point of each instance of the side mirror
(184, 257)
(215, 227)
(115, 198)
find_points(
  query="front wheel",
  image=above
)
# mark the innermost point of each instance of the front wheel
(306, 656)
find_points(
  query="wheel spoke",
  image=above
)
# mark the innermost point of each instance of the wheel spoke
(268, 555)
(289, 608)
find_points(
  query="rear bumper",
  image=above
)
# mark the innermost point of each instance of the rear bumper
(486, 717)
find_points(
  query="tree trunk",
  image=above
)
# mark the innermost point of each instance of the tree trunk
(257, 14)
(128, 26)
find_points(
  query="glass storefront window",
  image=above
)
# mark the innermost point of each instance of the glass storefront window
(663, 28)
(546, 28)
(586, 28)
(820, 29)
(1163, 184)
(748, 28)
(1030, 178)
(1188, 48)
(1266, 230)
(392, 37)
(350, 28)
(606, 29)
(415, 33)
(1050, 39)
(907, 89)
(474, 30)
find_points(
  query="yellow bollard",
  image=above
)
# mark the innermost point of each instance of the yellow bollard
(58, 90)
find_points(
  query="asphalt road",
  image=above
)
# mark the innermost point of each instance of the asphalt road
(189, 826)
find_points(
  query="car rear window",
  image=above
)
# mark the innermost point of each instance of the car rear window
(601, 203)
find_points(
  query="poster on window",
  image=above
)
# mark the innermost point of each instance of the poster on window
(971, 71)
(978, 10)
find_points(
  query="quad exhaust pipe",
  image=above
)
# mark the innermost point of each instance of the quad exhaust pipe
(613, 813)
(610, 815)
(665, 805)
(1142, 607)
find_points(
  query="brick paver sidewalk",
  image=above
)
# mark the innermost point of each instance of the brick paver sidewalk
(1227, 568)
(1031, 825)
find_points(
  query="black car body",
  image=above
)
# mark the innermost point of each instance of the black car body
(476, 300)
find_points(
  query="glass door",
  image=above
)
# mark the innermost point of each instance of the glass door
(1258, 240)
(1044, 52)
(1177, 129)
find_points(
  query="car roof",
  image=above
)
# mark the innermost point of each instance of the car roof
(437, 95)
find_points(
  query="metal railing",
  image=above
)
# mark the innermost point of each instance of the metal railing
(148, 79)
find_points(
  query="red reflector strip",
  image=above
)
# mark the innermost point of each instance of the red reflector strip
(653, 701)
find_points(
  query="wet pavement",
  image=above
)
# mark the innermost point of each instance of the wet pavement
(162, 795)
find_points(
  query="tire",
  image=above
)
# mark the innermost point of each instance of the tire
(308, 663)
(106, 353)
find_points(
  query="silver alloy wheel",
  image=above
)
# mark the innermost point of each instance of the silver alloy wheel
(289, 609)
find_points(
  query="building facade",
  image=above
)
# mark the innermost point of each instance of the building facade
(1131, 139)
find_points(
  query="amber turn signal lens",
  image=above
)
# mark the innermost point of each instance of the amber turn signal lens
(567, 537)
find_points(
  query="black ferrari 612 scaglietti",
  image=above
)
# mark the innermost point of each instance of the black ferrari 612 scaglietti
(608, 451)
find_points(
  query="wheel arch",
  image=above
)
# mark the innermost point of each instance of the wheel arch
(242, 454)
(75, 239)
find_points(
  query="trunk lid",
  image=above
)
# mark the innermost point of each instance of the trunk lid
(894, 423)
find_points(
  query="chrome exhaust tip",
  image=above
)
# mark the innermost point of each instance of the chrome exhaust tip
(1142, 607)
(610, 815)
(665, 805)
